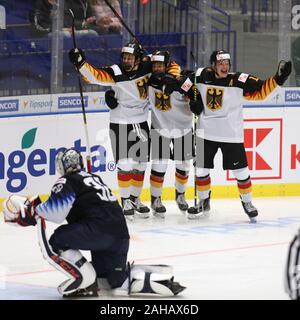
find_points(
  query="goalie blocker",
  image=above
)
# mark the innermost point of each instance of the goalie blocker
(155, 280)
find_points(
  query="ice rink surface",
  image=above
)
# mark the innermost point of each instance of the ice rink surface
(222, 256)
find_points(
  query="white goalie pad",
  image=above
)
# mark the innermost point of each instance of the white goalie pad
(153, 268)
(144, 283)
(149, 280)
(81, 274)
(88, 273)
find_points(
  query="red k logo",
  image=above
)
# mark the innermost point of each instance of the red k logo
(253, 138)
(263, 144)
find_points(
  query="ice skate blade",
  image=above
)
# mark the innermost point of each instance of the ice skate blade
(253, 220)
(129, 217)
(158, 215)
(140, 215)
(197, 216)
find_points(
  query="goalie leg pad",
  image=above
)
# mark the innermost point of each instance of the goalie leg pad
(82, 279)
(150, 280)
(154, 284)
(152, 268)
(81, 273)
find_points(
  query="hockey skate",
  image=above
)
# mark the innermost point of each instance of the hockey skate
(181, 202)
(200, 210)
(128, 209)
(158, 209)
(250, 211)
(88, 292)
(140, 209)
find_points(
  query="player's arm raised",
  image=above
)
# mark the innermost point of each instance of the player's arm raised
(257, 89)
(90, 74)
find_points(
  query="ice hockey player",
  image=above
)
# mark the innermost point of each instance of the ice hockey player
(171, 132)
(129, 131)
(292, 272)
(222, 124)
(95, 223)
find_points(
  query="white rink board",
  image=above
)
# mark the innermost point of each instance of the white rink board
(271, 140)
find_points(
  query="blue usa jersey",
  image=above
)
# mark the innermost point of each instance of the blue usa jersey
(82, 196)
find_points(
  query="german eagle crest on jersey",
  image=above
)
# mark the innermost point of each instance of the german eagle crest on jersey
(162, 101)
(143, 87)
(214, 98)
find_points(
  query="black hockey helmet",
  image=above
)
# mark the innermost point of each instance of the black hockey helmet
(133, 48)
(68, 161)
(218, 55)
(161, 56)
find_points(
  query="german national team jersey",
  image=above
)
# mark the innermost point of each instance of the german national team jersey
(222, 117)
(131, 90)
(84, 196)
(171, 114)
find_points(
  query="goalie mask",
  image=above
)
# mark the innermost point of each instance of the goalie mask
(68, 161)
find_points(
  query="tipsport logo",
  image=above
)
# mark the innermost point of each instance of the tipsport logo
(19, 165)
(263, 144)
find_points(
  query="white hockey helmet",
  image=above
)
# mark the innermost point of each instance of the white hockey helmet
(219, 55)
(68, 161)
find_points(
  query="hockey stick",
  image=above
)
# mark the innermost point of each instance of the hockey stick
(195, 118)
(88, 157)
(122, 22)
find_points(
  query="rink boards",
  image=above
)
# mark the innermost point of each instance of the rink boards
(34, 128)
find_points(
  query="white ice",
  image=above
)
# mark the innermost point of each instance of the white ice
(219, 257)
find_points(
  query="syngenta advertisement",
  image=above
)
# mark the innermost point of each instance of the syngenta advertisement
(29, 146)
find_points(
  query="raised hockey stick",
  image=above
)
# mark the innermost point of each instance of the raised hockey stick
(88, 149)
(122, 22)
(195, 130)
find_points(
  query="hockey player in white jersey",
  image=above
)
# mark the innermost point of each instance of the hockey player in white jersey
(129, 131)
(222, 124)
(95, 222)
(171, 132)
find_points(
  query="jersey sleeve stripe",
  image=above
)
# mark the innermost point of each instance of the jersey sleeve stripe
(96, 76)
(268, 86)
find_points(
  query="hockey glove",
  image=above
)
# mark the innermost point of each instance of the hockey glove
(283, 72)
(110, 99)
(27, 217)
(170, 84)
(185, 84)
(196, 106)
(77, 57)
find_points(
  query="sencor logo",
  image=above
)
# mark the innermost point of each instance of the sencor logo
(19, 165)
(71, 102)
(9, 105)
(292, 95)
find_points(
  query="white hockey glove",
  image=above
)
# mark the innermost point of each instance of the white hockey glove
(20, 211)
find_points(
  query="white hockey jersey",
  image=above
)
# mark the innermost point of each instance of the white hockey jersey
(170, 114)
(131, 90)
(222, 117)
